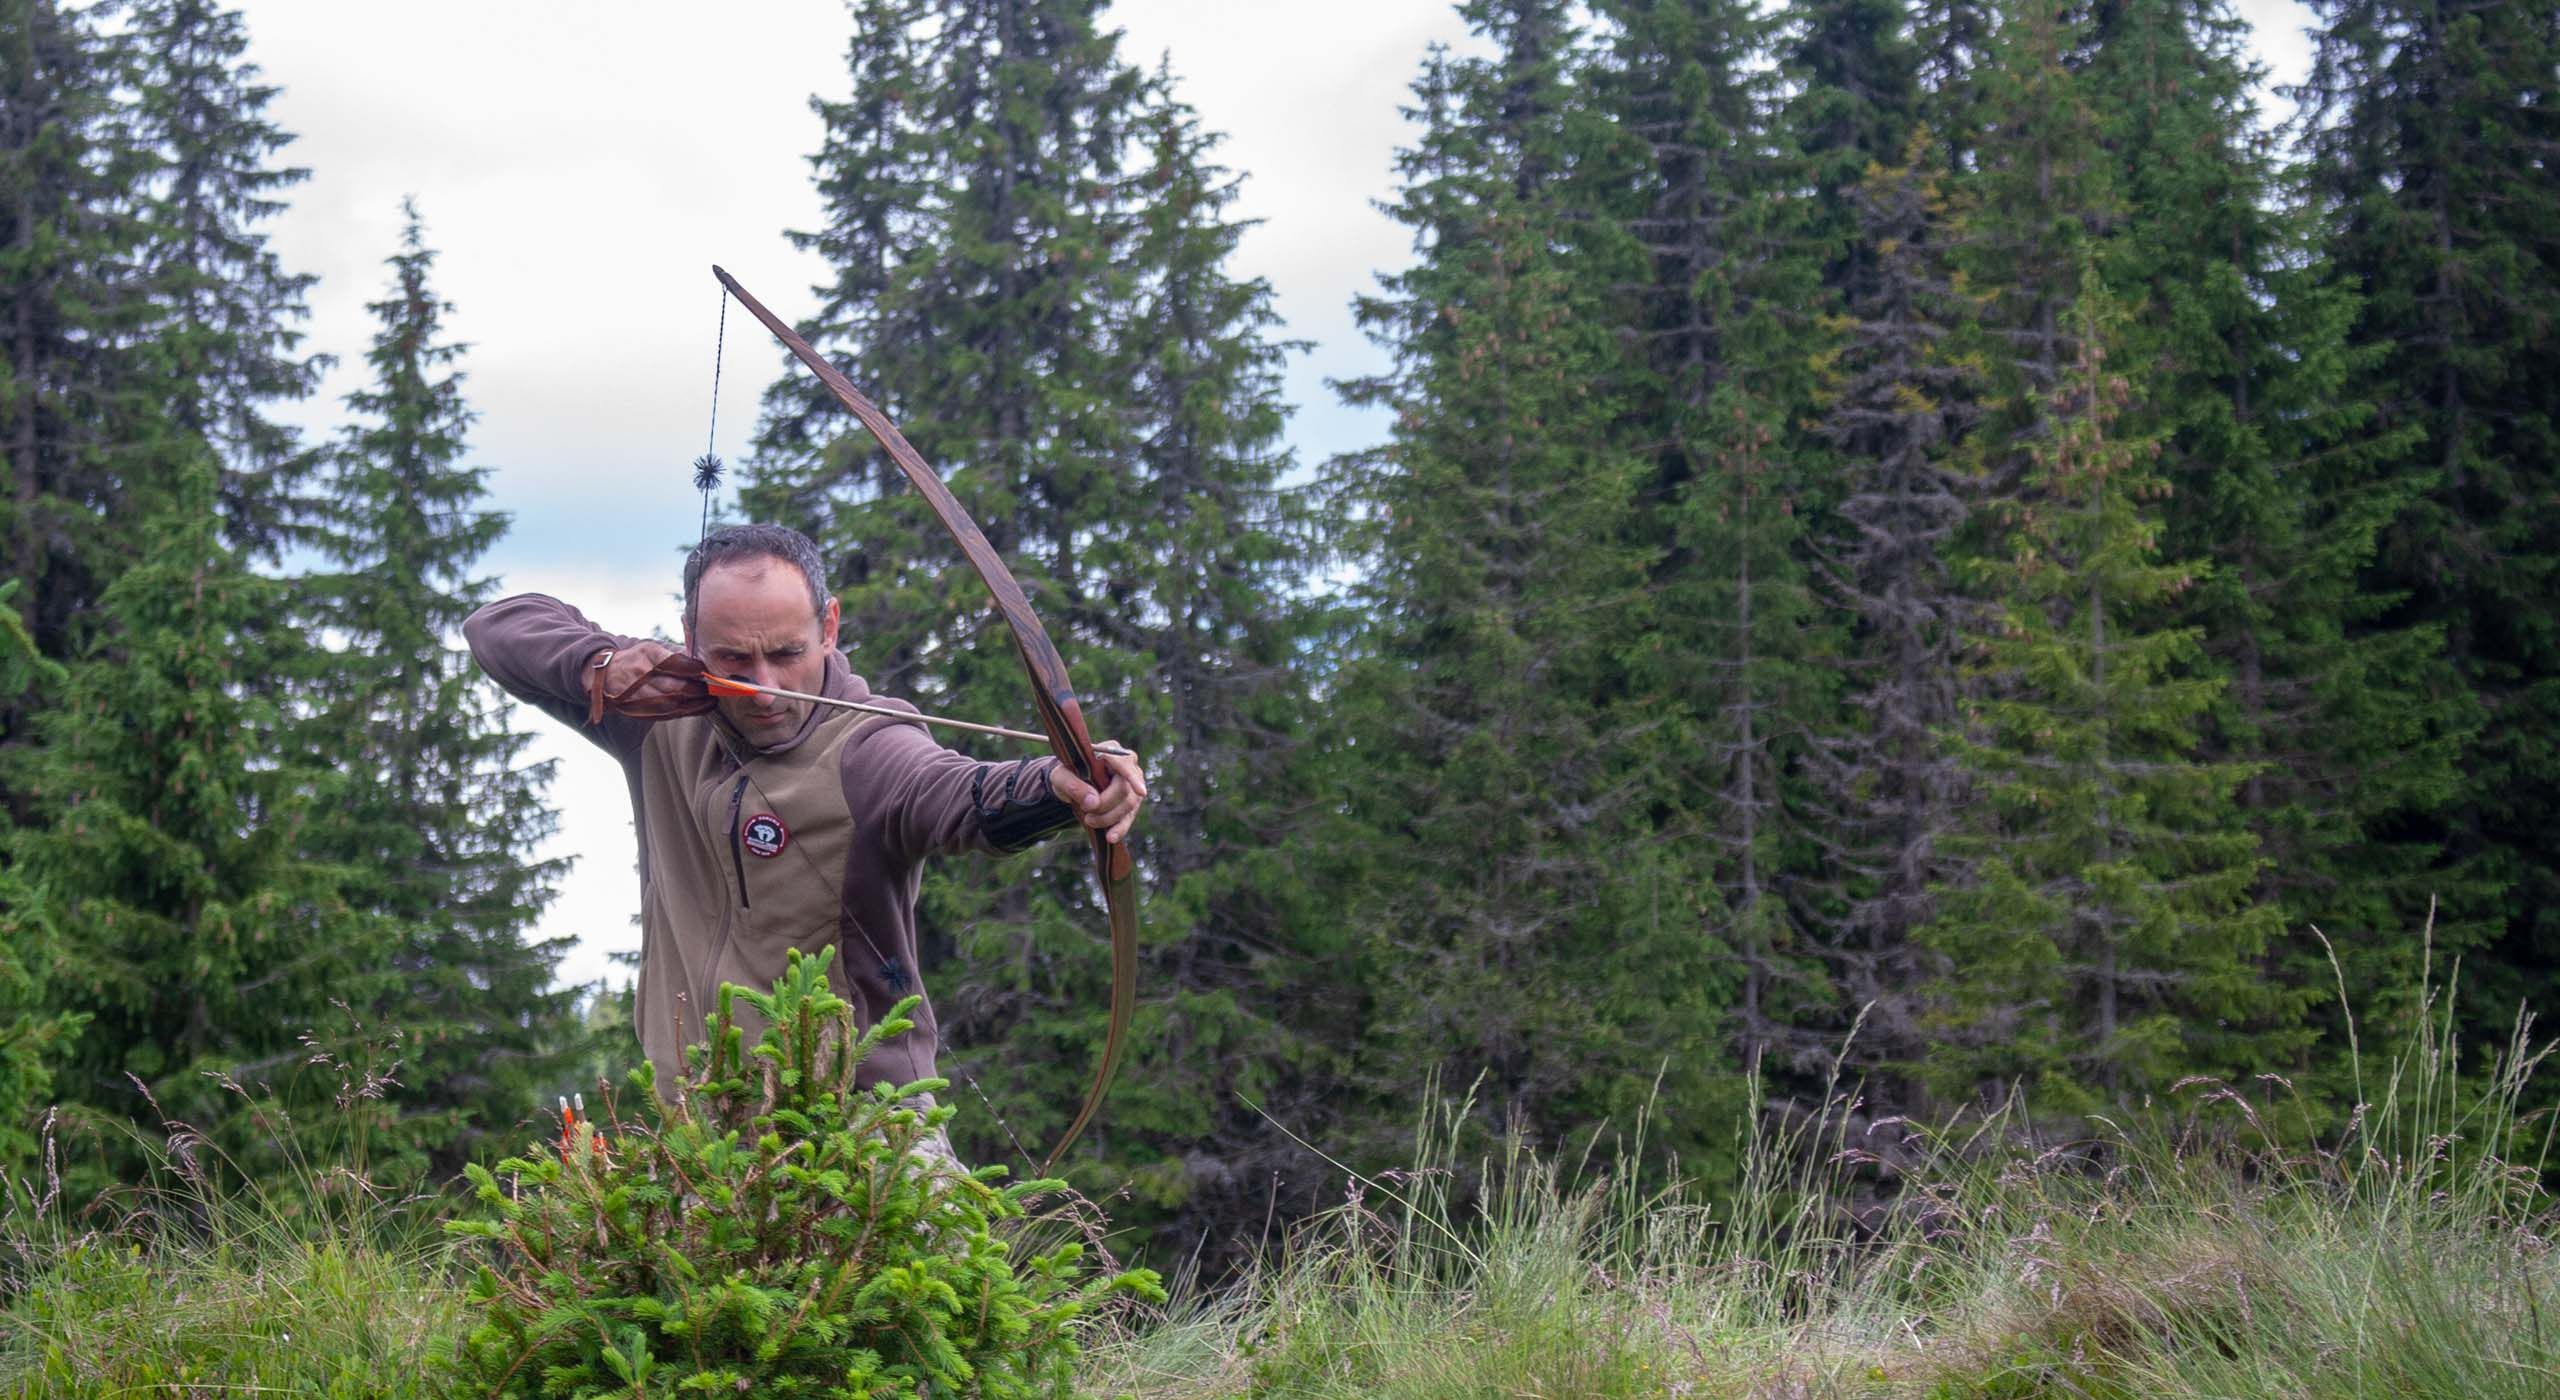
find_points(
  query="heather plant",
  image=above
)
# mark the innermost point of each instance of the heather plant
(771, 1229)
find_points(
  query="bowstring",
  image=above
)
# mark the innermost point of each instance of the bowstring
(706, 471)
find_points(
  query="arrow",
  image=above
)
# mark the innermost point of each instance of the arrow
(724, 685)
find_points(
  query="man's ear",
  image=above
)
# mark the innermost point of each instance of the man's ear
(827, 624)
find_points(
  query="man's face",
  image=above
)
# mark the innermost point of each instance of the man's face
(752, 620)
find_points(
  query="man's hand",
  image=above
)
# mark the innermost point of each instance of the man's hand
(1111, 810)
(625, 685)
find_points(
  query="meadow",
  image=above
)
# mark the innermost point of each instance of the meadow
(2210, 1247)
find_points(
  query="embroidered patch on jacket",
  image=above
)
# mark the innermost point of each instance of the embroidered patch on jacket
(764, 835)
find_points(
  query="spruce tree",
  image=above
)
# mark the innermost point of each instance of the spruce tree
(2099, 928)
(226, 310)
(54, 77)
(33, 1031)
(1529, 904)
(2430, 128)
(1954, 40)
(1028, 240)
(210, 953)
(2350, 724)
(2103, 927)
(1902, 396)
(73, 388)
(105, 461)
(1855, 76)
(1716, 383)
(1891, 405)
(1209, 571)
(439, 810)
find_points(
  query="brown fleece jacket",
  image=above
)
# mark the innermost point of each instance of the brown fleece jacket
(816, 842)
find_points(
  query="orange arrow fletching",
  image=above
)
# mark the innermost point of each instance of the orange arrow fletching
(721, 685)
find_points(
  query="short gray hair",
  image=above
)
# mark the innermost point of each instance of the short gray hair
(731, 544)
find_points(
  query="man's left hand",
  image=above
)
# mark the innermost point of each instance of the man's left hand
(1111, 810)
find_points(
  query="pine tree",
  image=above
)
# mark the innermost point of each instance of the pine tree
(2429, 129)
(439, 809)
(2099, 931)
(72, 387)
(1205, 573)
(1530, 909)
(1028, 242)
(2350, 726)
(1855, 74)
(1716, 385)
(1903, 397)
(226, 310)
(33, 1032)
(205, 944)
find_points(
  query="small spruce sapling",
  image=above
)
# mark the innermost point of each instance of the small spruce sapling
(773, 1232)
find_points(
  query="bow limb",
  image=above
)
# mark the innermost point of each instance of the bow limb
(1054, 696)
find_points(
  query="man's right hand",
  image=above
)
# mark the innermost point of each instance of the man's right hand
(639, 681)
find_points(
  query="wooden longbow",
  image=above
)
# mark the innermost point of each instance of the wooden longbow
(1052, 694)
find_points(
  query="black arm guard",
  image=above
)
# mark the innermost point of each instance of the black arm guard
(1015, 807)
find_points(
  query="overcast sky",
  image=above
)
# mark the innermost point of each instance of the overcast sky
(581, 164)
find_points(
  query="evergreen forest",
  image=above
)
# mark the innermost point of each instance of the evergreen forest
(1921, 559)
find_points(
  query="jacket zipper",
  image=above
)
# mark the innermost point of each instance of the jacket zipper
(737, 845)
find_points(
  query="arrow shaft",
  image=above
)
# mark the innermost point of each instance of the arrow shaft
(725, 683)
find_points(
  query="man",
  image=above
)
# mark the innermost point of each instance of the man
(769, 824)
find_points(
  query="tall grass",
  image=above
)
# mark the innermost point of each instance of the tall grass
(2199, 1250)
(2191, 1253)
(309, 1281)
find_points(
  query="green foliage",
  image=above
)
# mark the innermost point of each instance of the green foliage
(1509, 731)
(1898, 400)
(2206, 1253)
(2215, 1252)
(1030, 253)
(306, 1278)
(1787, 597)
(2270, 474)
(772, 1231)
(145, 310)
(1737, 652)
(341, 1319)
(439, 806)
(2102, 937)
(33, 1032)
(67, 389)
(226, 314)
(2428, 127)
(169, 801)
(2099, 935)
